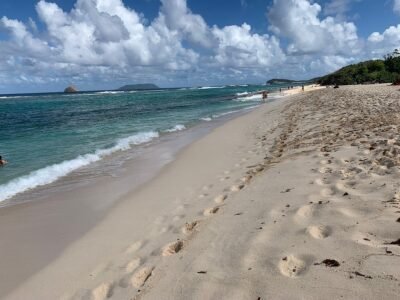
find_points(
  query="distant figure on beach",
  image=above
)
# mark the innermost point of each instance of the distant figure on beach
(302, 88)
(336, 86)
(2, 161)
(264, 95)
(280, 90)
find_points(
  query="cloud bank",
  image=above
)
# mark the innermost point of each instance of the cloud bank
(105, 42)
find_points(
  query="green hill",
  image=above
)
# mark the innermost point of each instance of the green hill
(372, 71)
(284, 81)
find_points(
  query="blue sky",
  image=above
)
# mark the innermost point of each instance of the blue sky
(101, 44)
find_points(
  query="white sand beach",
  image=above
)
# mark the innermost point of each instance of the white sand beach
(299, 199)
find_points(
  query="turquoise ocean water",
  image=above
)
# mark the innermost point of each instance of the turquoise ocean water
(47, 136)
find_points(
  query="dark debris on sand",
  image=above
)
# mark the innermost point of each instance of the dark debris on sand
(397, 242)
(362, 275)
(332, 263)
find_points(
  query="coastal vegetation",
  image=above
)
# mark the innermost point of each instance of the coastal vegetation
(371, 71)
(284, 81)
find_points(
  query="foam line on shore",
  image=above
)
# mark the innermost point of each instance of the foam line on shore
(53, 172)
(178, 127)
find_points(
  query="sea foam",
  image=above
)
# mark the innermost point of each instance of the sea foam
(111, 92)
(257, 97)
(51, 173)
(207, 119)
(211, 87)
(178, 127)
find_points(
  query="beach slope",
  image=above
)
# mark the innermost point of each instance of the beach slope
(297, 199)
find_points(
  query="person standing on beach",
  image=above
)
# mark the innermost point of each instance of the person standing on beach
(264, 95)
(2, 161)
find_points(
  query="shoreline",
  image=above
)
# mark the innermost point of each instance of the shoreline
(119, 214)
(49, 174)
(47, 217)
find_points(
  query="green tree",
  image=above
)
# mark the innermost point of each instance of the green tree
(392, 61)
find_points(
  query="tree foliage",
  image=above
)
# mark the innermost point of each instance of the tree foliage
(372, 71)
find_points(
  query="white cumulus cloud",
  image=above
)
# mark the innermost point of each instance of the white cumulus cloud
(106, 37)
(238, 47)
(385, 42)
(102, 43)
(299, 21)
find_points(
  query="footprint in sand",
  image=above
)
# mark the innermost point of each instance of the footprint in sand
(325, 162)
(172, 248)
(133, 265)
(134, 247)
(292, 266)
(220, 199)
(210, 211)
(189, 227)
(129, 268)
(325, 170)
(340, 185)
(319, 231)
(141, 276)
(103, 291)
(321, 181)
(326, 192)
(305, 211)
(246, 179)
(237, 188)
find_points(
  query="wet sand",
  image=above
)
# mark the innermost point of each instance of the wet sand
(37, 226)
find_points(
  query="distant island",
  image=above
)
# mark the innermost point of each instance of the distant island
(138, 87)
(284, 81)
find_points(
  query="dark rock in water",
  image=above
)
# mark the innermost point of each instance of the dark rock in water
(70, 89)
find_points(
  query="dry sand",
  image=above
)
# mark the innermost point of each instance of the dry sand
(296, 200)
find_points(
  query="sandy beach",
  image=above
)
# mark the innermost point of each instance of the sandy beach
(298, 199)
